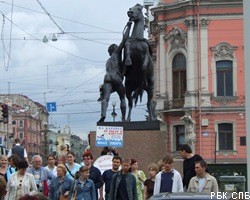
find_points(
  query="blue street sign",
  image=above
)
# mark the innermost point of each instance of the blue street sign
(51, 106)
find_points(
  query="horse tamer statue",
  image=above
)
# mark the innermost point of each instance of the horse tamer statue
(139, 66)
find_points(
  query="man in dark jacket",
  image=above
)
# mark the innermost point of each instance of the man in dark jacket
(94, 173)
(188, 164)
(123, 185)
(18, 150)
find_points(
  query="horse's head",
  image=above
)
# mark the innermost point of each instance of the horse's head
(135, 13)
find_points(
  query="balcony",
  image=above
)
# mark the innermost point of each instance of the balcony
(178, 103)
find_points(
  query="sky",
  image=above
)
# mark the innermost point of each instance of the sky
(69, 70)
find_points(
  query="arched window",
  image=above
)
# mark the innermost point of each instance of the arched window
(179, 76)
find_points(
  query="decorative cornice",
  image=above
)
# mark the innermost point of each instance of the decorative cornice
(223, 51)
(225, 100)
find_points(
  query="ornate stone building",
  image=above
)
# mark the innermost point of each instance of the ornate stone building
(27, 120)
(199, 73)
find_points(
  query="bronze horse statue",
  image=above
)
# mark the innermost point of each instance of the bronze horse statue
(138, 64)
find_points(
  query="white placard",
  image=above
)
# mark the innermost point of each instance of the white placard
(109, 136)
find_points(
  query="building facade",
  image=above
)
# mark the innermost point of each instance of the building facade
(199, 76)
(26, 120)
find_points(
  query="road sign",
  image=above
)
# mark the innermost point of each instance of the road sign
(110, 136)
(51, 106)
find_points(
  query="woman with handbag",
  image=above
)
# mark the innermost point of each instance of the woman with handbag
(60, 185)
(83, 187)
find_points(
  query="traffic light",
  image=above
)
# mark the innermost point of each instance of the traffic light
(5, 113)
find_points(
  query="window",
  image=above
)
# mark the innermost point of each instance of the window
(21, 123)
(179, 136)
(224, 75)
(21, 135)
(179, 76)
(225, 136)
(14, 130)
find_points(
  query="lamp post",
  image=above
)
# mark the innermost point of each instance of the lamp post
(114, 113)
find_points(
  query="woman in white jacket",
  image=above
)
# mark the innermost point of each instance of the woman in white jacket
(21, 183)
(169, 179)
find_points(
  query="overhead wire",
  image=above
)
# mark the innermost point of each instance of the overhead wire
(71, 54)
(49, 16)
(10, 41)
(70, 20)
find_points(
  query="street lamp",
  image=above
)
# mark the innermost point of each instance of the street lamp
(114, 113)
(53, 38)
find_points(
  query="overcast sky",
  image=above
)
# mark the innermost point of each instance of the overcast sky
(70, 70)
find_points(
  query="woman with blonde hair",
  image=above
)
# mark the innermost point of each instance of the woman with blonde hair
(60, 185)
(83, 187)
(5, 169)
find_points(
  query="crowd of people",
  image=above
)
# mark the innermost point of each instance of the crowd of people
(63, 178)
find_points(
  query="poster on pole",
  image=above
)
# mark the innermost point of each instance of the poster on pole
(109, 136)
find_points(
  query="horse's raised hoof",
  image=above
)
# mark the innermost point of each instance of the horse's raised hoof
(102, 119)
(128, 61)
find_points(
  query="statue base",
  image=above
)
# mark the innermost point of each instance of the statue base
(142, 140)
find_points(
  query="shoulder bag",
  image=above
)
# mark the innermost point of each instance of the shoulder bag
(73, 197)
(69, 171)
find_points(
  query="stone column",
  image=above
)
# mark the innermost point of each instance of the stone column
(162, 61)
(192, 81)
(204, 62)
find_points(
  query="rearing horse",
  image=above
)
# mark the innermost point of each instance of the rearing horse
(139, 66)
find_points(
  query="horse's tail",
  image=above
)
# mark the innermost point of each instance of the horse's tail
(136, 94)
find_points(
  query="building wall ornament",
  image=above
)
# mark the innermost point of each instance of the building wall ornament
(204, 23)
(161, 28)
(190, 130)
(177, 39)
(191, 23)
(224, 100)
(224, 51)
